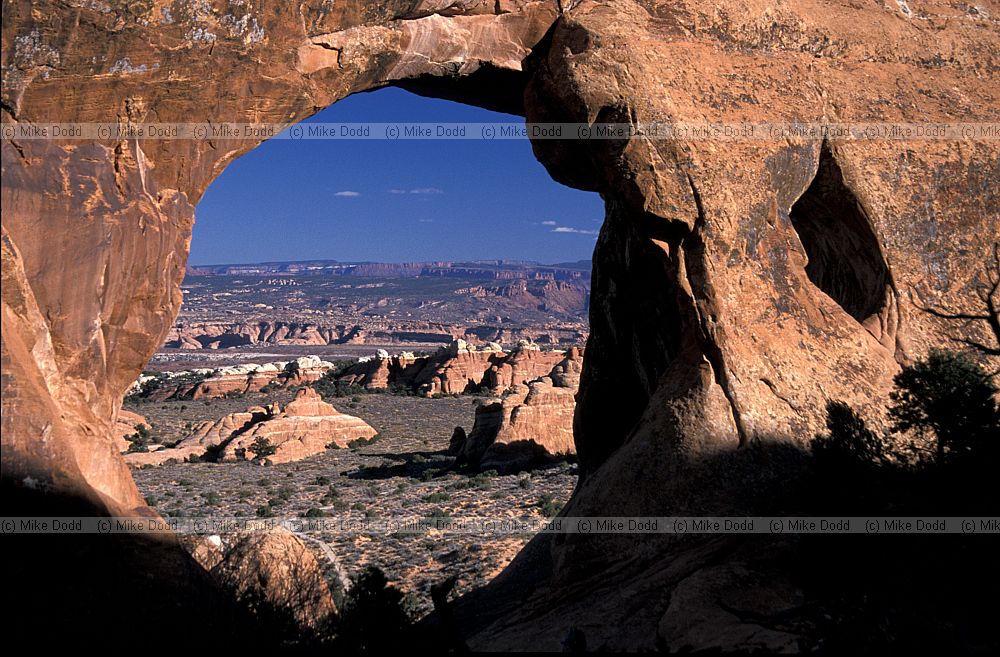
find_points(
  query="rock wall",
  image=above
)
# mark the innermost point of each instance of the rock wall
(96, 234)
(530, 424)
(455, 369)
(737, 285)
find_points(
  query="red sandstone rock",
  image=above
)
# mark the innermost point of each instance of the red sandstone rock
(126, 424)
(306, 426)
(455, 369)
(738, 285)
(529, 424)
(276, 575)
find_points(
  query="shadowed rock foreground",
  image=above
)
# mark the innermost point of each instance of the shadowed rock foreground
(737, 285)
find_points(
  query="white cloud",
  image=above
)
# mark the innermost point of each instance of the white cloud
(548, 223)
(427, 190)
(348, 193)
(426, 221)
(397, 191)
(574, 231)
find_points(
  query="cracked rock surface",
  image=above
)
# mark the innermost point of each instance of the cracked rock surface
(737, 285)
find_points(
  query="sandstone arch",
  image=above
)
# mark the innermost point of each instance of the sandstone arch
(707, 330)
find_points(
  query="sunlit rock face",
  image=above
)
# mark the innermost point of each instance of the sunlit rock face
(452, 370)
(530, 424)
(737, 284)
(96, 234)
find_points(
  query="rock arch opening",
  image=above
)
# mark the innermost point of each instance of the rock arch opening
(347, 305)
(845, 259)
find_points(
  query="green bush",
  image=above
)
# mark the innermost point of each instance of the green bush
(849, 443)
(548, 505)
(375, 617)
(262, 448)
(950, 399)
(140, 440)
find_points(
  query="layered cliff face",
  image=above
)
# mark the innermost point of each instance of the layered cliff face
(737, 285)
(455, 369)
(530, 424)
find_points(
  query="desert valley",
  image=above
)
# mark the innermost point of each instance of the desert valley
(394, 399)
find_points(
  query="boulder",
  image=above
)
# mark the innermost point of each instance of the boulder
(307, 426)
(275, 574)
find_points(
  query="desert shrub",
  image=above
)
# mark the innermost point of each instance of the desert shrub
(331, 496)
(429, 474)
(262, 448)
(362, 442)
(950, 399)
(212, 498)
(265, 511)
(328, 386)
(140, 440)
(481, 480)
(375, 616)
(548, 506)
(436, 498)
(849, 443)
(946, 404)
(313, 512)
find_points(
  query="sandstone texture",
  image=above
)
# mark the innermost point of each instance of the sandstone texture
(737, 286)
(275, 574)
(207, 383)
(126, 424)
(306, 426)
(458, 368)
(530, 424)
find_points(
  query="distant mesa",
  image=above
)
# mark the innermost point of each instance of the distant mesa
(484, 269)
(229, 335)
(209, 383)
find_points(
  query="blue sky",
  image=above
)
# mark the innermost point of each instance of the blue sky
(393, 201)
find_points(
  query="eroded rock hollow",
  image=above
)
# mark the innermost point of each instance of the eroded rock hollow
(737, 286)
